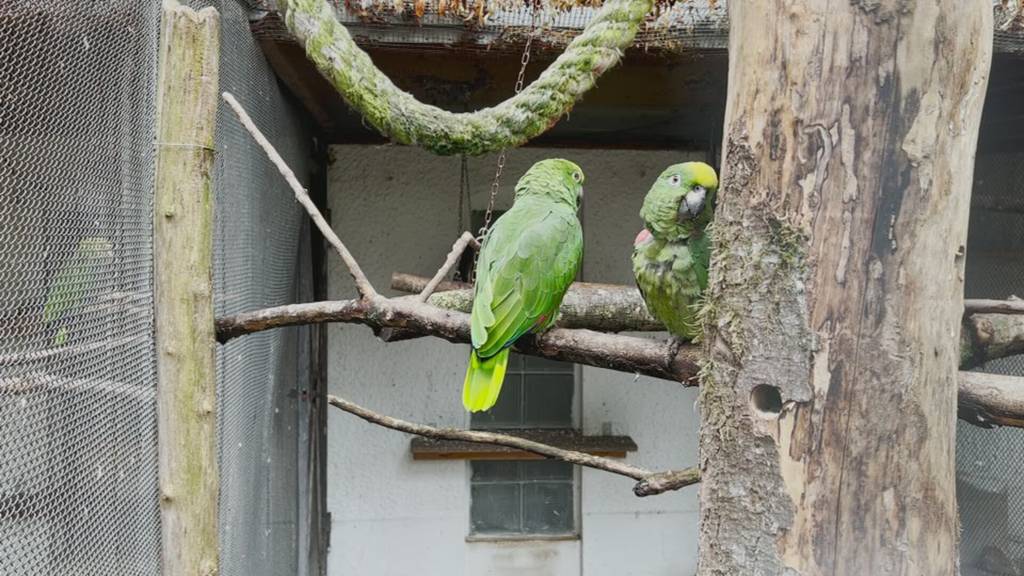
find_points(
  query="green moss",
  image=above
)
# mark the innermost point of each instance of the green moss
(399, 116)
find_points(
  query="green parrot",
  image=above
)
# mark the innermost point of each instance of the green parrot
(527, 262)
(671, 254)
(71, 284)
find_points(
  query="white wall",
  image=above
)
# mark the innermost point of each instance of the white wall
(396, 209)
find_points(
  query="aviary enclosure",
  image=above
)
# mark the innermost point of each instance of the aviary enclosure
(164, 301)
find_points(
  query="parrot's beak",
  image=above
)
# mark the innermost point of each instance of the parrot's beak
(692, 204)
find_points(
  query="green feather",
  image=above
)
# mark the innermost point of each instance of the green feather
(72, 283)
(671, 266)
(526, 263)
(483, 381)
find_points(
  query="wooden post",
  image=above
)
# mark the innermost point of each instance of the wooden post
(829, 401)
(183, 253)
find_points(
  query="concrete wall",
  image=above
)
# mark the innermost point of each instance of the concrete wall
(397, 210)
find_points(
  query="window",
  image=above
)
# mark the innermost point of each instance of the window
(526, 497)
(522, 497)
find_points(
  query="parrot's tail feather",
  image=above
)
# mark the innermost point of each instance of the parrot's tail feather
(483, 380)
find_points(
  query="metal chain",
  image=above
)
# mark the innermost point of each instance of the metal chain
(464, 197)
(520, 79)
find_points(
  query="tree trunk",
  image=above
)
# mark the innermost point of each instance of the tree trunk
(829, 400)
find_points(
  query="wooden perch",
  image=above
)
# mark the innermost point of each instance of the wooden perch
(985, 337)
(604, 307)
(990, 400)
(668, 360)
(649, 483)
(1012, 305)
(662, 359)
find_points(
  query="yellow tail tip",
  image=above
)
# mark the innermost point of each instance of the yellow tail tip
(483, 381)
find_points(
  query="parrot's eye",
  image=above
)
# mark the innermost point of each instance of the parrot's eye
(675, 179)
(577, 177)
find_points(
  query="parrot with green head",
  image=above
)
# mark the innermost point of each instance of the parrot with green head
(72, 283)
(527, 262)
(671, 254)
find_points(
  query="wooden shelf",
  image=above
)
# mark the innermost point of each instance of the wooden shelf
(608, 446)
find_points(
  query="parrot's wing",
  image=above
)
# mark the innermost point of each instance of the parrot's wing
(65, 290)
(638, 259)
(525, 267)
(700, 251)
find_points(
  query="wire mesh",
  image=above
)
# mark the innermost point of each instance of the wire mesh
(990, 463)
(256, 265)
(78, 475)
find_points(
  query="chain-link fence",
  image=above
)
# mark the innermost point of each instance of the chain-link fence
(78, 471)
(990, 463)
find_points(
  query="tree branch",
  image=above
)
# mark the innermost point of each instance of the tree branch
(399, 116)
(669, 360)
(604, 307)
(990, 400)
(985, 337)
(662, 359)
(362, 283)
(1012, 305)
(453, 257)
(649, 483)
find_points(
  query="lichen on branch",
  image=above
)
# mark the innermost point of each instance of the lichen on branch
(399, 116)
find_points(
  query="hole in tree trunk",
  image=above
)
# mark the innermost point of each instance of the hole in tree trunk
(766, 399)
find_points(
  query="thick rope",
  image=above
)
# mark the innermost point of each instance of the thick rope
(402, 118)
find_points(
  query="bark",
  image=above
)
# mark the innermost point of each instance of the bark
(669, 360)
(604, 307)
(399, 116)
(657, 358)
(1011, 305)
(827, 439)
(987, 337)
(183, 290)
(990, 400)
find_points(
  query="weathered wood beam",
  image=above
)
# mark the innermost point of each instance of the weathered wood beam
(183, 288)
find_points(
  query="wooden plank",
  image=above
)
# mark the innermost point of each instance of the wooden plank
(183, 252)
(609, 446)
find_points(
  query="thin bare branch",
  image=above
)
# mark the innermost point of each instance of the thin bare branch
(413, 284)
(453, 257)
(649, 482)
(1011, 305)
(363, 285)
